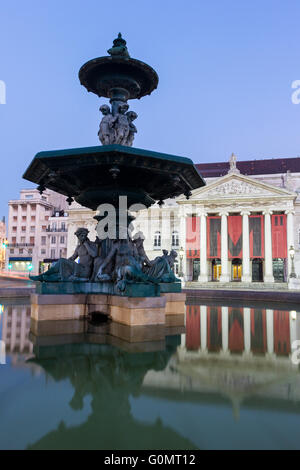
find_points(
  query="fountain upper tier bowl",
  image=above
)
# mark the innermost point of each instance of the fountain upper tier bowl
(96, 175)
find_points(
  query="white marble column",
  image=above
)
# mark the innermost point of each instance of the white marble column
(246, 275)
(247, 330)
(270, 331)
(225, 328)
(182, 239)
(203, 277)
(203, 327)
(268, 277)
(293, 329)
(289, 238)
(225, 276)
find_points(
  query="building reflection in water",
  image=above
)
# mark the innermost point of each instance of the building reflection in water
(239, 330)
(237, 356)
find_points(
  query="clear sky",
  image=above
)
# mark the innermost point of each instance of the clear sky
(225, 68)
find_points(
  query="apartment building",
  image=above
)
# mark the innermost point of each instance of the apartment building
(30, 220)
(2, 243)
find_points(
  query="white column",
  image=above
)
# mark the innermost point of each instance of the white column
(182, 238)
(289, 238)
(270, 331)
(293, 330)
(225, 329)
(203, 277)
(268, 277)
(203, 327)
(247, 330)
(246, 275)
(225, 277)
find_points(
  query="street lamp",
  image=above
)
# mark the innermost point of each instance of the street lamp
(181, 254)
(292, 255)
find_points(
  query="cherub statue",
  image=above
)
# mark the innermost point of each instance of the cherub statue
(107, 132)
(131, 116)
(122, 125)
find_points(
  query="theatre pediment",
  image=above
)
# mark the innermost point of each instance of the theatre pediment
(243, 187)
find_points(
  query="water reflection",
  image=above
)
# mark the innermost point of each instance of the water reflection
(239, 330)
(220, 382)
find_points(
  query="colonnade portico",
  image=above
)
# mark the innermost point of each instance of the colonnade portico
(228, 248)
(246, 277)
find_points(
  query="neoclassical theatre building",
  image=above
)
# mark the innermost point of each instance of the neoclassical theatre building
(243, 226)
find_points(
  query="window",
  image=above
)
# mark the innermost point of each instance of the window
(62, 239)
(33, 218)
(24, 218)
(14, 240)
(23, 229)
(32, 228)
(44, 198)
(52, 254)
(47, 217)
(43, 240)
(61, 253)
(29, 196)
(11, 251)
(53, 240)
(32, 240)
(20, 251)
(43, 251)
(53, 226)
(44, 227)
(157, 240)
(30, 251)
(15, 218)
(14, 229)
(176, 269)
(23, 239)
(175, 239)
(63, 226)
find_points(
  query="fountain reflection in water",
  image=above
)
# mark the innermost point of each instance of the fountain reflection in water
(226, 356)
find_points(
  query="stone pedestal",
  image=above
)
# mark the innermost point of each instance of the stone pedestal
(58, 307)
(137, 311)
(175, 303)
(132, 311)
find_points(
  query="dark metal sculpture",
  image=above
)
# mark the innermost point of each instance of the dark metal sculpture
(104, 174)
(67, 269)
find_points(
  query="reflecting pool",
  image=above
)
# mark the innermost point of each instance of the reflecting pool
(228, 379)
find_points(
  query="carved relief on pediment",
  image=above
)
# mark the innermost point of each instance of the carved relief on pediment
(235, 187)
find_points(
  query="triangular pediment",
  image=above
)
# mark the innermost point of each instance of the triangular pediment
(235, 185)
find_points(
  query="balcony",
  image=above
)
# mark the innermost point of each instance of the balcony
(20, 245)
(50, 229)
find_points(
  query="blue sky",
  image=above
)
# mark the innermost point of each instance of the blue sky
(225, 68)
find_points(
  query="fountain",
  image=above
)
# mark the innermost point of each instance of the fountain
(114, 269)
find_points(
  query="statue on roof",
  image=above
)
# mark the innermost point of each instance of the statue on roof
(232, 164)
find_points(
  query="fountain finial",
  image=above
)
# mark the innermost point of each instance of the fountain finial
(119, 47)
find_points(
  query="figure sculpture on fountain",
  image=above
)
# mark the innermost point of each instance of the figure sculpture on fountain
(68, 269)
(118, 129)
